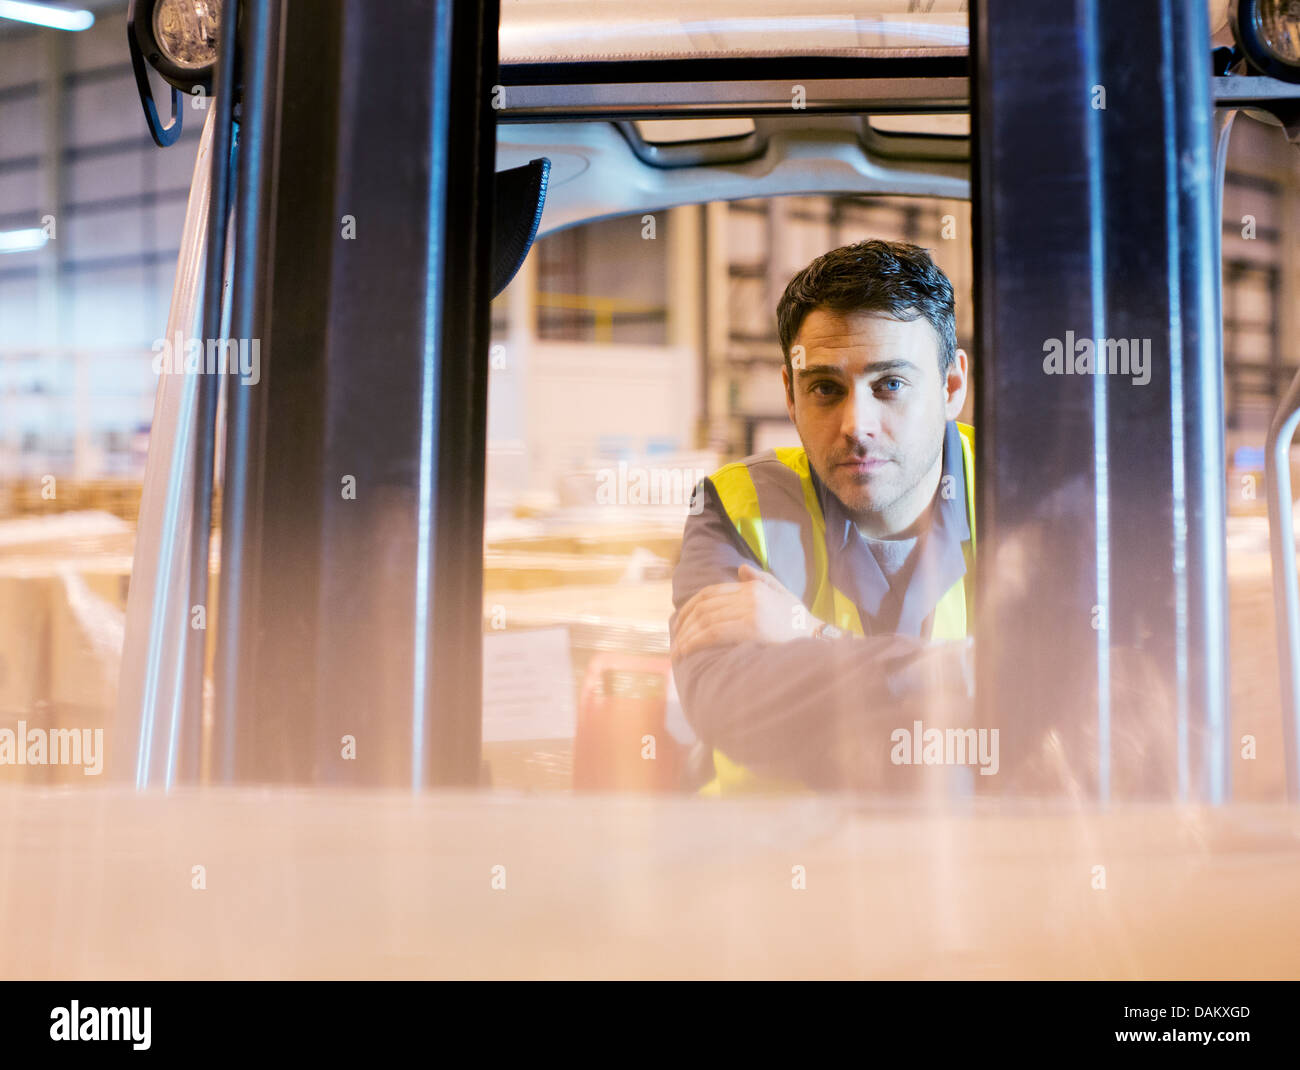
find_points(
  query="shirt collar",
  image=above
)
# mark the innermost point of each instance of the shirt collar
(950, 503)
(855, 571)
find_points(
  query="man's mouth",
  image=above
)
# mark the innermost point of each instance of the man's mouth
(863, 464)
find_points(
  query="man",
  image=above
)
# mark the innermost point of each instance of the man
(823, 593)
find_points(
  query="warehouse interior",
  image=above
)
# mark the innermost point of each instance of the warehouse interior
(634, 352)
(630, 356)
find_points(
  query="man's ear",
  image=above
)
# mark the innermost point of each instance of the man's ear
(789, 390)
(955, 385)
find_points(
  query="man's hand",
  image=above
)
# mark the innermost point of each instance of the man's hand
(756, 608)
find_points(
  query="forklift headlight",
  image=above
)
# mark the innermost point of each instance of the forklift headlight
(178, 38)
(186, 32)
(1268, 33)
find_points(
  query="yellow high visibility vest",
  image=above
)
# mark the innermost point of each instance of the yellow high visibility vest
(780, 518)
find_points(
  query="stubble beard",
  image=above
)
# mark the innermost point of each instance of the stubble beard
(908, 480)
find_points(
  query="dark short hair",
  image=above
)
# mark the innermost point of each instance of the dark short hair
(891, 277)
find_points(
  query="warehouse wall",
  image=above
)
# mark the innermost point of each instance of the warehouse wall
(78, 317)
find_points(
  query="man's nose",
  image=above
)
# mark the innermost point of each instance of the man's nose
(862, 413)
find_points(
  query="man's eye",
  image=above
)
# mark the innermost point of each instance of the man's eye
(825, 388)
(897, 384)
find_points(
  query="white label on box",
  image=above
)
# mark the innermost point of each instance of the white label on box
(528, 686)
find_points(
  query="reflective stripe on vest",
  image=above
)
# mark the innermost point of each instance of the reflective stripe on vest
(772, 501)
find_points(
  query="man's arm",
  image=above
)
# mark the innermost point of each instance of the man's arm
(816, 710)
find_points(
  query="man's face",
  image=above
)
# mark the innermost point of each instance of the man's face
(870, 406)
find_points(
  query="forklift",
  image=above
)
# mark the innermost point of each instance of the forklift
(298, 768)
(358, 230)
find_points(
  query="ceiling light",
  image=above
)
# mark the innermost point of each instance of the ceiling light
(55, 17)
(22, 241)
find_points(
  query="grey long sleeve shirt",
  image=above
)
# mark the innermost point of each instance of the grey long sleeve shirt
(815, 710)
